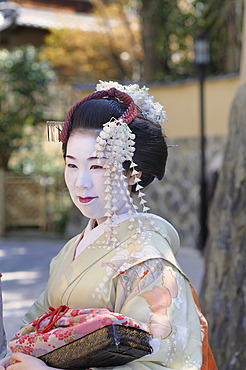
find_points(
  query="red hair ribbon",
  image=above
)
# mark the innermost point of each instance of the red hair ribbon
(127, 116)
(55, 314)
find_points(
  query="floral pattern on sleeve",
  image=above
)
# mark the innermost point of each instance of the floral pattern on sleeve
(159, 299)
(138, 278)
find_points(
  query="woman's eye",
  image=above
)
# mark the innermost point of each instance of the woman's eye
(71, 165)
(95, 167)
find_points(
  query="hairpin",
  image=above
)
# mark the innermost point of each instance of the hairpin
(53, 129)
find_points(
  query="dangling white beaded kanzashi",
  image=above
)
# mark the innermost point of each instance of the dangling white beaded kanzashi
(116, 143)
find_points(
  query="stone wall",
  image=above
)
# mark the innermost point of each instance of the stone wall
(223, 294)
(176, 197)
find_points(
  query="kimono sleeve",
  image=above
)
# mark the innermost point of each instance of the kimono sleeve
(157, 294)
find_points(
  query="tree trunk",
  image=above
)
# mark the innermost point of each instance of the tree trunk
(4, 159)
(150, 30)
(223, 293)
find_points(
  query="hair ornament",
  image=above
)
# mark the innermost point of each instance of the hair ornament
(115, 143)
(111, 93)
(53, 130)
(151, 110)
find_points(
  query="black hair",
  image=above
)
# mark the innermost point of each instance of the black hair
(151, 149)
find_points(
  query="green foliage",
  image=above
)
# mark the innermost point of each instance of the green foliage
(148, 40)
(24, 94)
(111, 51)
(169, 28)
(221, 21)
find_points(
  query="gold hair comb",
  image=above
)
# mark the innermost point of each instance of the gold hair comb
(53, 130)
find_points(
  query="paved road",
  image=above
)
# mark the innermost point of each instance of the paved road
(25, 268)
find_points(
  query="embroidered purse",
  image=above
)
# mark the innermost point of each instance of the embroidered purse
(78, 339)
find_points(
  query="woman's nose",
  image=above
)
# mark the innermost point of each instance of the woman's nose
(83, 180)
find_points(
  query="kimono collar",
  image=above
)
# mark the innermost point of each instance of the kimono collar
(150, 222)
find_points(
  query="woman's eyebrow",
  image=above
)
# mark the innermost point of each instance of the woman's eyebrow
(92, 158)
(89, 159)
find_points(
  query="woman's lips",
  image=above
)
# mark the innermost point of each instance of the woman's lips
(86, 199)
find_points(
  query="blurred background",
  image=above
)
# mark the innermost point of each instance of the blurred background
(52, 53)
(191, 55)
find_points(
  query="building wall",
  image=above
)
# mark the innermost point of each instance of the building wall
(181, 102)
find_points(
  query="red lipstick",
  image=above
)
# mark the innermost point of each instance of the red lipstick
(86, 199)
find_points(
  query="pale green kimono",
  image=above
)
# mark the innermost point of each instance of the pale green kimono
(139, 278)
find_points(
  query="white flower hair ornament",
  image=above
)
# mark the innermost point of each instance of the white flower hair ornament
(115, 143)
(145, 104)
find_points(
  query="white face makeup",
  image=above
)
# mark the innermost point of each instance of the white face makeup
(84, 177)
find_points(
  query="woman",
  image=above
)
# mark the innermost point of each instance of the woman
(124, 260)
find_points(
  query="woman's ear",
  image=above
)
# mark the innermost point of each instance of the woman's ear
(131, 178)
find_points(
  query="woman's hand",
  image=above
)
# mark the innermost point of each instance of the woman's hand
(26, 362)
(4, 363)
